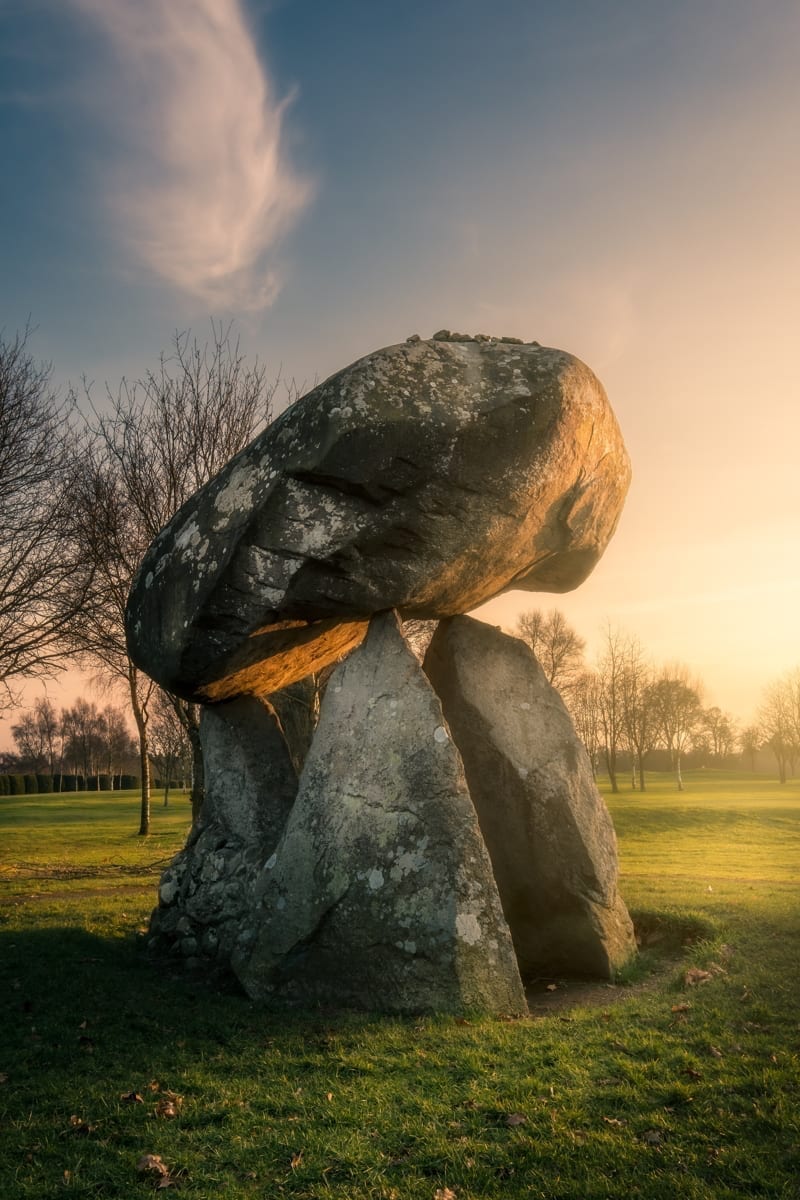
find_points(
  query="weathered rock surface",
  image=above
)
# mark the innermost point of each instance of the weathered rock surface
(426, 477)
(206, 893)
(548, 831)
(380, 893)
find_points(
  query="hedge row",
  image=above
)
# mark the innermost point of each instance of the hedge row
(28, 785)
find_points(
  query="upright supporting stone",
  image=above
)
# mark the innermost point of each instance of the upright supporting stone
(547, 829)
(380, 894)
(206, 892)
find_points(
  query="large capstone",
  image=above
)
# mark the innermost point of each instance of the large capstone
(426, 477)
(548, 831)
(380, 893)
(205, 896)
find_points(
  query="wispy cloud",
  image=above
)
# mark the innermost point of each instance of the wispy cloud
(198, 183)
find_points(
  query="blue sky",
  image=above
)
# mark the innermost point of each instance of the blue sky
(615, 177)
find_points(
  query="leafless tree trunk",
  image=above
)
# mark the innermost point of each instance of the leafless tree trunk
(38, 592)
(149, 449)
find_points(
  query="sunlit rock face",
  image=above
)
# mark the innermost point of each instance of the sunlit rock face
(426, 477)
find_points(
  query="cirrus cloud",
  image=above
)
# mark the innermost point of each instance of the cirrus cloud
(197, 182)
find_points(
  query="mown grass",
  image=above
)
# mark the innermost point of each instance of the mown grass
(656, 1090)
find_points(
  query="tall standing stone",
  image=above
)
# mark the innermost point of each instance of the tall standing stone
(380, 893)
(548, 831)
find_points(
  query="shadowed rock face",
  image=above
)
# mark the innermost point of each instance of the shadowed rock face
(426, 477)
(548, 832)
(206, 892)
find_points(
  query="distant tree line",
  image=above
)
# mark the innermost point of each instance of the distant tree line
(84, 747)
(626, 709)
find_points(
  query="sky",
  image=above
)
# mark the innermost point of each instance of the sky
(617, 178)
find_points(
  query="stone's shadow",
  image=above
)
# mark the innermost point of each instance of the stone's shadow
(445, 840)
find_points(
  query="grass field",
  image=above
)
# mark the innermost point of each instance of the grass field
(653, 1088)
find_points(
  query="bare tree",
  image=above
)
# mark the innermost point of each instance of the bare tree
(171, 748)
(85, 737)
(118, 745)
(558, 648)
(677, 709)
(152, 446)
(584, 707)
(28, 740)
(750, 740)
(779, 719)
(38, 596)
(720, 729)
(611, 673)
(36, 734)
(638, 707)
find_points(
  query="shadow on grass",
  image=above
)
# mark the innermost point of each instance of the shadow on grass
(77, 1006)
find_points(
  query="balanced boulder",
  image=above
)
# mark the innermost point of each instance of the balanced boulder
(427, 477)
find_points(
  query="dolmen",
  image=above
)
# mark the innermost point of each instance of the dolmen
(444, 841)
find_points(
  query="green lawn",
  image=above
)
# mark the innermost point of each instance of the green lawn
(655, 1089)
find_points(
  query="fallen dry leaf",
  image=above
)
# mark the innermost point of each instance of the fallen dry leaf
(167, 1108)
(514, 1119)
(296, 1160)
(696, 975)
(152, 1164)
(614, 1121)
(3, 1077)
(691, 1073)
(154, 1086)
(715, 1052)
(131, 1098)
(680, 1008)
(552, 987)
(444, 1193)
(79, 1126)
(653, 1137)
(462, 1021)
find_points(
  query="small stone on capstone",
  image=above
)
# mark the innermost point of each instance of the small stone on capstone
(442, 335)
(512, 341)
(414, 338)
